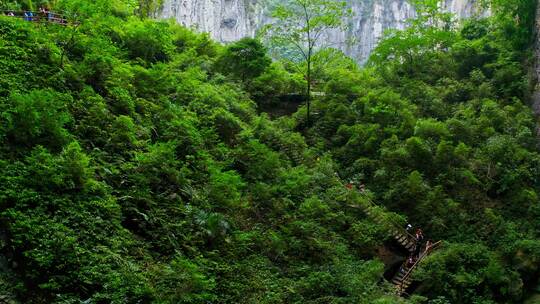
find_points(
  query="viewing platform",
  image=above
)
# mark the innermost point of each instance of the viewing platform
(39, 17)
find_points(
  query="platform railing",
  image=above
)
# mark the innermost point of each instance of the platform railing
(32, 16)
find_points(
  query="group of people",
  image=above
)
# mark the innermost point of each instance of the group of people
(350, 185)
(421, 247)
(43, 14)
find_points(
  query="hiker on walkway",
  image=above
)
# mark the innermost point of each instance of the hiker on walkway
(429, 244)
(410, 262)
(419, 242)
(50, 16)
(362, 188)
(407, 265)
(43, 13)
(28, 16)
(417, 250)
(408, 228)
(419, 235)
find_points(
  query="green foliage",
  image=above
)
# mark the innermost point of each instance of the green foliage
(300, 25)
(136, 169)
(443, 134)
(468, 273)
(147, 40)
(36, 118)
(245, 59)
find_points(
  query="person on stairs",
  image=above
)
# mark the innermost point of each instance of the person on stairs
(408, 264)
(419, 235)
(419, 240)
(417, 250)
(429, 244)
(362, 188)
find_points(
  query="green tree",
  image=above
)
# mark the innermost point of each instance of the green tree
(301, 25)
(245, 59)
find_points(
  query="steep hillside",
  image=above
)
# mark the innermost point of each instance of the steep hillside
(137, 167)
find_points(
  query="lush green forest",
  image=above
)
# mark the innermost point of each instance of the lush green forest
(136, 164)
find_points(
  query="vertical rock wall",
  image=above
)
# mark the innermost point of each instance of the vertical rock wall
(230, 20)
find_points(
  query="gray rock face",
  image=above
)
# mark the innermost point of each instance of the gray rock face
(230, 20)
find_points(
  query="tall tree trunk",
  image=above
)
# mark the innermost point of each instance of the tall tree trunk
(308, 94)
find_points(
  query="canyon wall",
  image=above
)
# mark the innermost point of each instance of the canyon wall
(230, 20)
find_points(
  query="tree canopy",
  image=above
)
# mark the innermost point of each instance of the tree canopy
(138, 166)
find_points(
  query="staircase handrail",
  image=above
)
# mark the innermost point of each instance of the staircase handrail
(422, 256)
(54, 17)
(62, 13)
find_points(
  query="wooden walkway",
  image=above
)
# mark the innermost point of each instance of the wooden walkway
(38, 17)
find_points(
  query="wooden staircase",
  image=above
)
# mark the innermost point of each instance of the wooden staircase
(403, 278)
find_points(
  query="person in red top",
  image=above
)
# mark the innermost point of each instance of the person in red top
(419, 235)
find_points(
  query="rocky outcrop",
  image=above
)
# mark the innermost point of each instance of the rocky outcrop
(230, 20)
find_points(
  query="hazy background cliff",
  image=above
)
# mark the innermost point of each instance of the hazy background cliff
(230, 20)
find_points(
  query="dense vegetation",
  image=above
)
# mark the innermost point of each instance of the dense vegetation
(135, 167)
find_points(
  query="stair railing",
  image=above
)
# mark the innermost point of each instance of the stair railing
(407, 275)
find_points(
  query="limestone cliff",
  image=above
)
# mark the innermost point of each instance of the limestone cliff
(230, 20)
